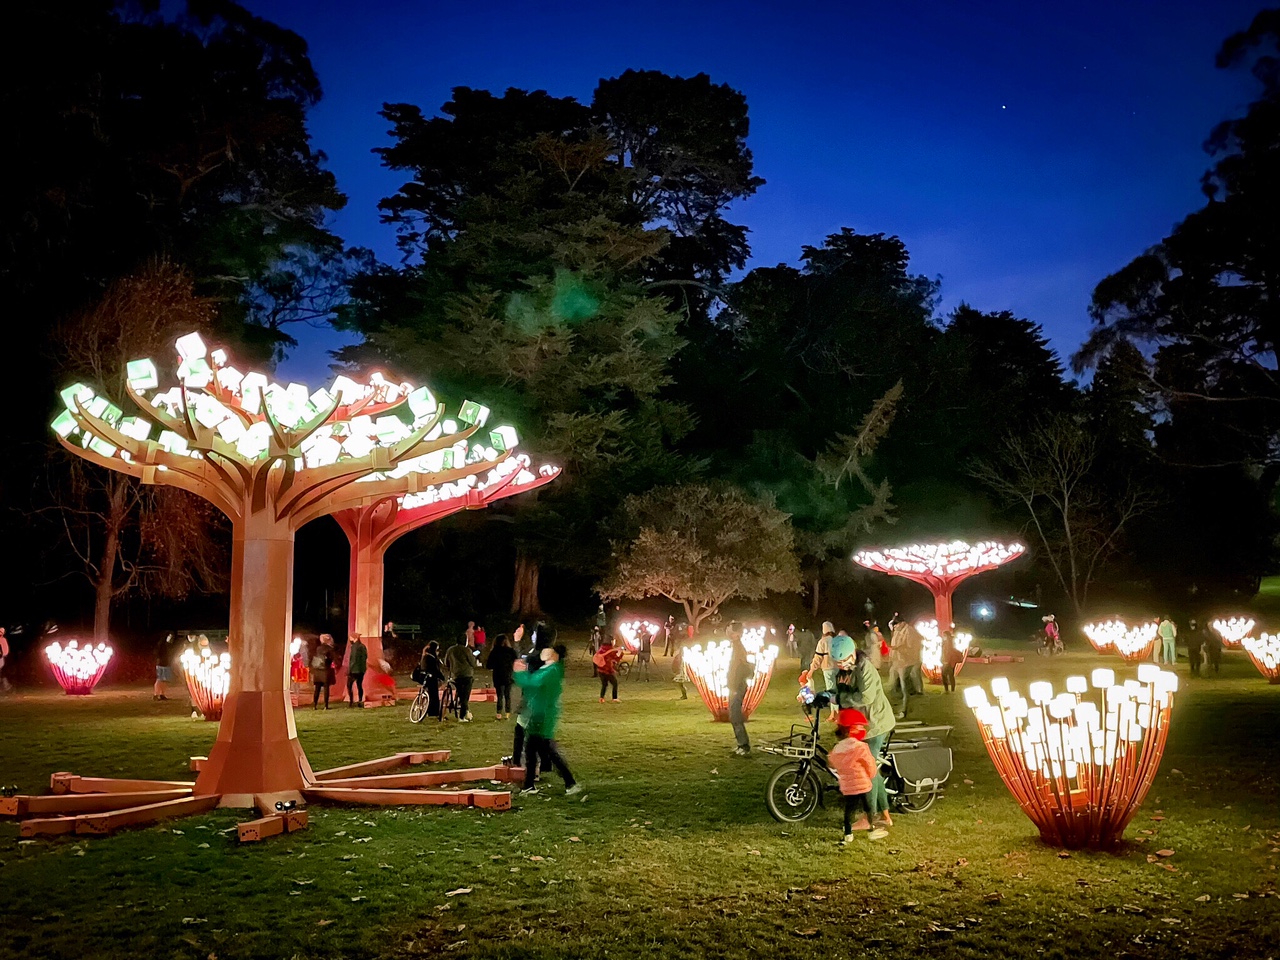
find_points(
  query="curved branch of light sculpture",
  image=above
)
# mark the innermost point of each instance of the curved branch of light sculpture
(1232, 630)
(1078, 767)
(940, 567)
(630, 632)
(208, 679)
(1264, 651)
(272, 458)
(708, 668)
(78, 668)
(931, 649)
(374, 525)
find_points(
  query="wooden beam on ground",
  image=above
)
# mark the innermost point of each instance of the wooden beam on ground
(86, 802)
(148, 813)
(430, 778)
(47, 826)
(395, 798)
(260, 829)
(383, 763)
(70, 783)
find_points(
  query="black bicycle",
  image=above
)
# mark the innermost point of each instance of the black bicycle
(914, 770)
(450, 704)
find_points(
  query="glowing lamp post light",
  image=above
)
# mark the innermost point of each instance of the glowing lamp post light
(931, 649)
(78, 669)
(631, 631)
(208, 679)
(1264, 651)
(1233, 630)
(1078, 767)
(940, 567)
(708, 668)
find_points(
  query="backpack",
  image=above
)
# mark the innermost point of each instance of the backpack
(600, 660)
(318, 661)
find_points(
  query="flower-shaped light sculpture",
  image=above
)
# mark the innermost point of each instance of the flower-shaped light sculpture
(1232, 630)
(1078, 767)
(208, 679)
(272, 457)
(940, 567)
(1264, 651)
(1103, 634)
(708, 668)
(931, 649)
(78, 668)
(631, 631)
(1137, 642)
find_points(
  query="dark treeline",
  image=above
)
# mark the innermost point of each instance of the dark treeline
(577, 267)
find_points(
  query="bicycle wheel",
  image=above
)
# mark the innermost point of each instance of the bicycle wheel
(418, 709)
(448, 700)
(793, 793)
(917, 802)
(624, 668)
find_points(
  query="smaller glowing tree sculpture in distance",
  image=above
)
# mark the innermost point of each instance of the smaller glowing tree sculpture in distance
(708, 668)
(1104, 633)
(1078, 767)
(1264, 651)
(931, 649)
(78, 668)
(208, 679)
(940, 567)
(1232, 630)
(1138, 642)
(630, 632)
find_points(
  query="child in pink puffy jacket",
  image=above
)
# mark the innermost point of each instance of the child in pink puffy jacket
(853, 763)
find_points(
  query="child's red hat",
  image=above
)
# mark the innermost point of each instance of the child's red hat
(849, 717)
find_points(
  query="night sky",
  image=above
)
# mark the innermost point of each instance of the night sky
(1022, 151)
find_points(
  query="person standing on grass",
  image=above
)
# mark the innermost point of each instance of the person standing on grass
(532, 662)
(822, 669)
(1195, 647)
(357, 664)
(164, 672)
(681, 677)
(951, 658)
(460, 664)
(543, 690)
(322, 672)
(481, 638)
(904, 660)
(1212, 651)
(606, 664)
(669, 642)
(740, 672)
(806, 646)
(501, 661)
(645, 653)
(856, 770)
(1167, 649)
(430, 672)
(858, 686)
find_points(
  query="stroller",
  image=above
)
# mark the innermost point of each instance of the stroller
(915, 763)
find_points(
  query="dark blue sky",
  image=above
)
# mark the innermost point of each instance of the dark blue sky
(1021, 150)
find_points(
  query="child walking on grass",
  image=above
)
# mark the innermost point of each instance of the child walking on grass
(856, 768)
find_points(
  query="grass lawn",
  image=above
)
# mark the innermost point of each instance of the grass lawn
(671, 853)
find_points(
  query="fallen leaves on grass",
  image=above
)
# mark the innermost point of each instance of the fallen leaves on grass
(1164, 853)
(323, 923)
(808, 932)
(459, 891)
(994, 897)
(1203, 898)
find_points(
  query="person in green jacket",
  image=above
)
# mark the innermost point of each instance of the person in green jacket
(357, 663)
(858, 686)
(542, 690)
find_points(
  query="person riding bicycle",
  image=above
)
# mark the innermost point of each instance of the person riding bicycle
(1052, 638)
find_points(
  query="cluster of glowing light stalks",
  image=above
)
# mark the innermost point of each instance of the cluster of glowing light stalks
(1264, 651)
(208, 679)
(78, 669)
(931, 649)
(1133, 643)
(631, 631)
(708, 668)
(1233, 630)
(246, 414)
(1079, 768)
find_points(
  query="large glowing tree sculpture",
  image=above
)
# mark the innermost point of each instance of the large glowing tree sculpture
(378, 521)
(708, 668)
(78, 668)
(940, 567)
(273, 458)
(1078, 767)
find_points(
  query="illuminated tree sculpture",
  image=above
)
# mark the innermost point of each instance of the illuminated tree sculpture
(272, 458)
(1232, 630)
(1102, 634)
(708, 668)
(1136, 643)
(940, 567)
(931, 649)
(1264, 651)
(378, 521)
(78, 668)
(1079, 768)
(630, 632)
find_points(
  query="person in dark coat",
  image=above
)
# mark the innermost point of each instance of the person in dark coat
(1212, 646)
(357, 664)
(501, 661)
(1195, 647)
(322, 672)
(740, 672)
